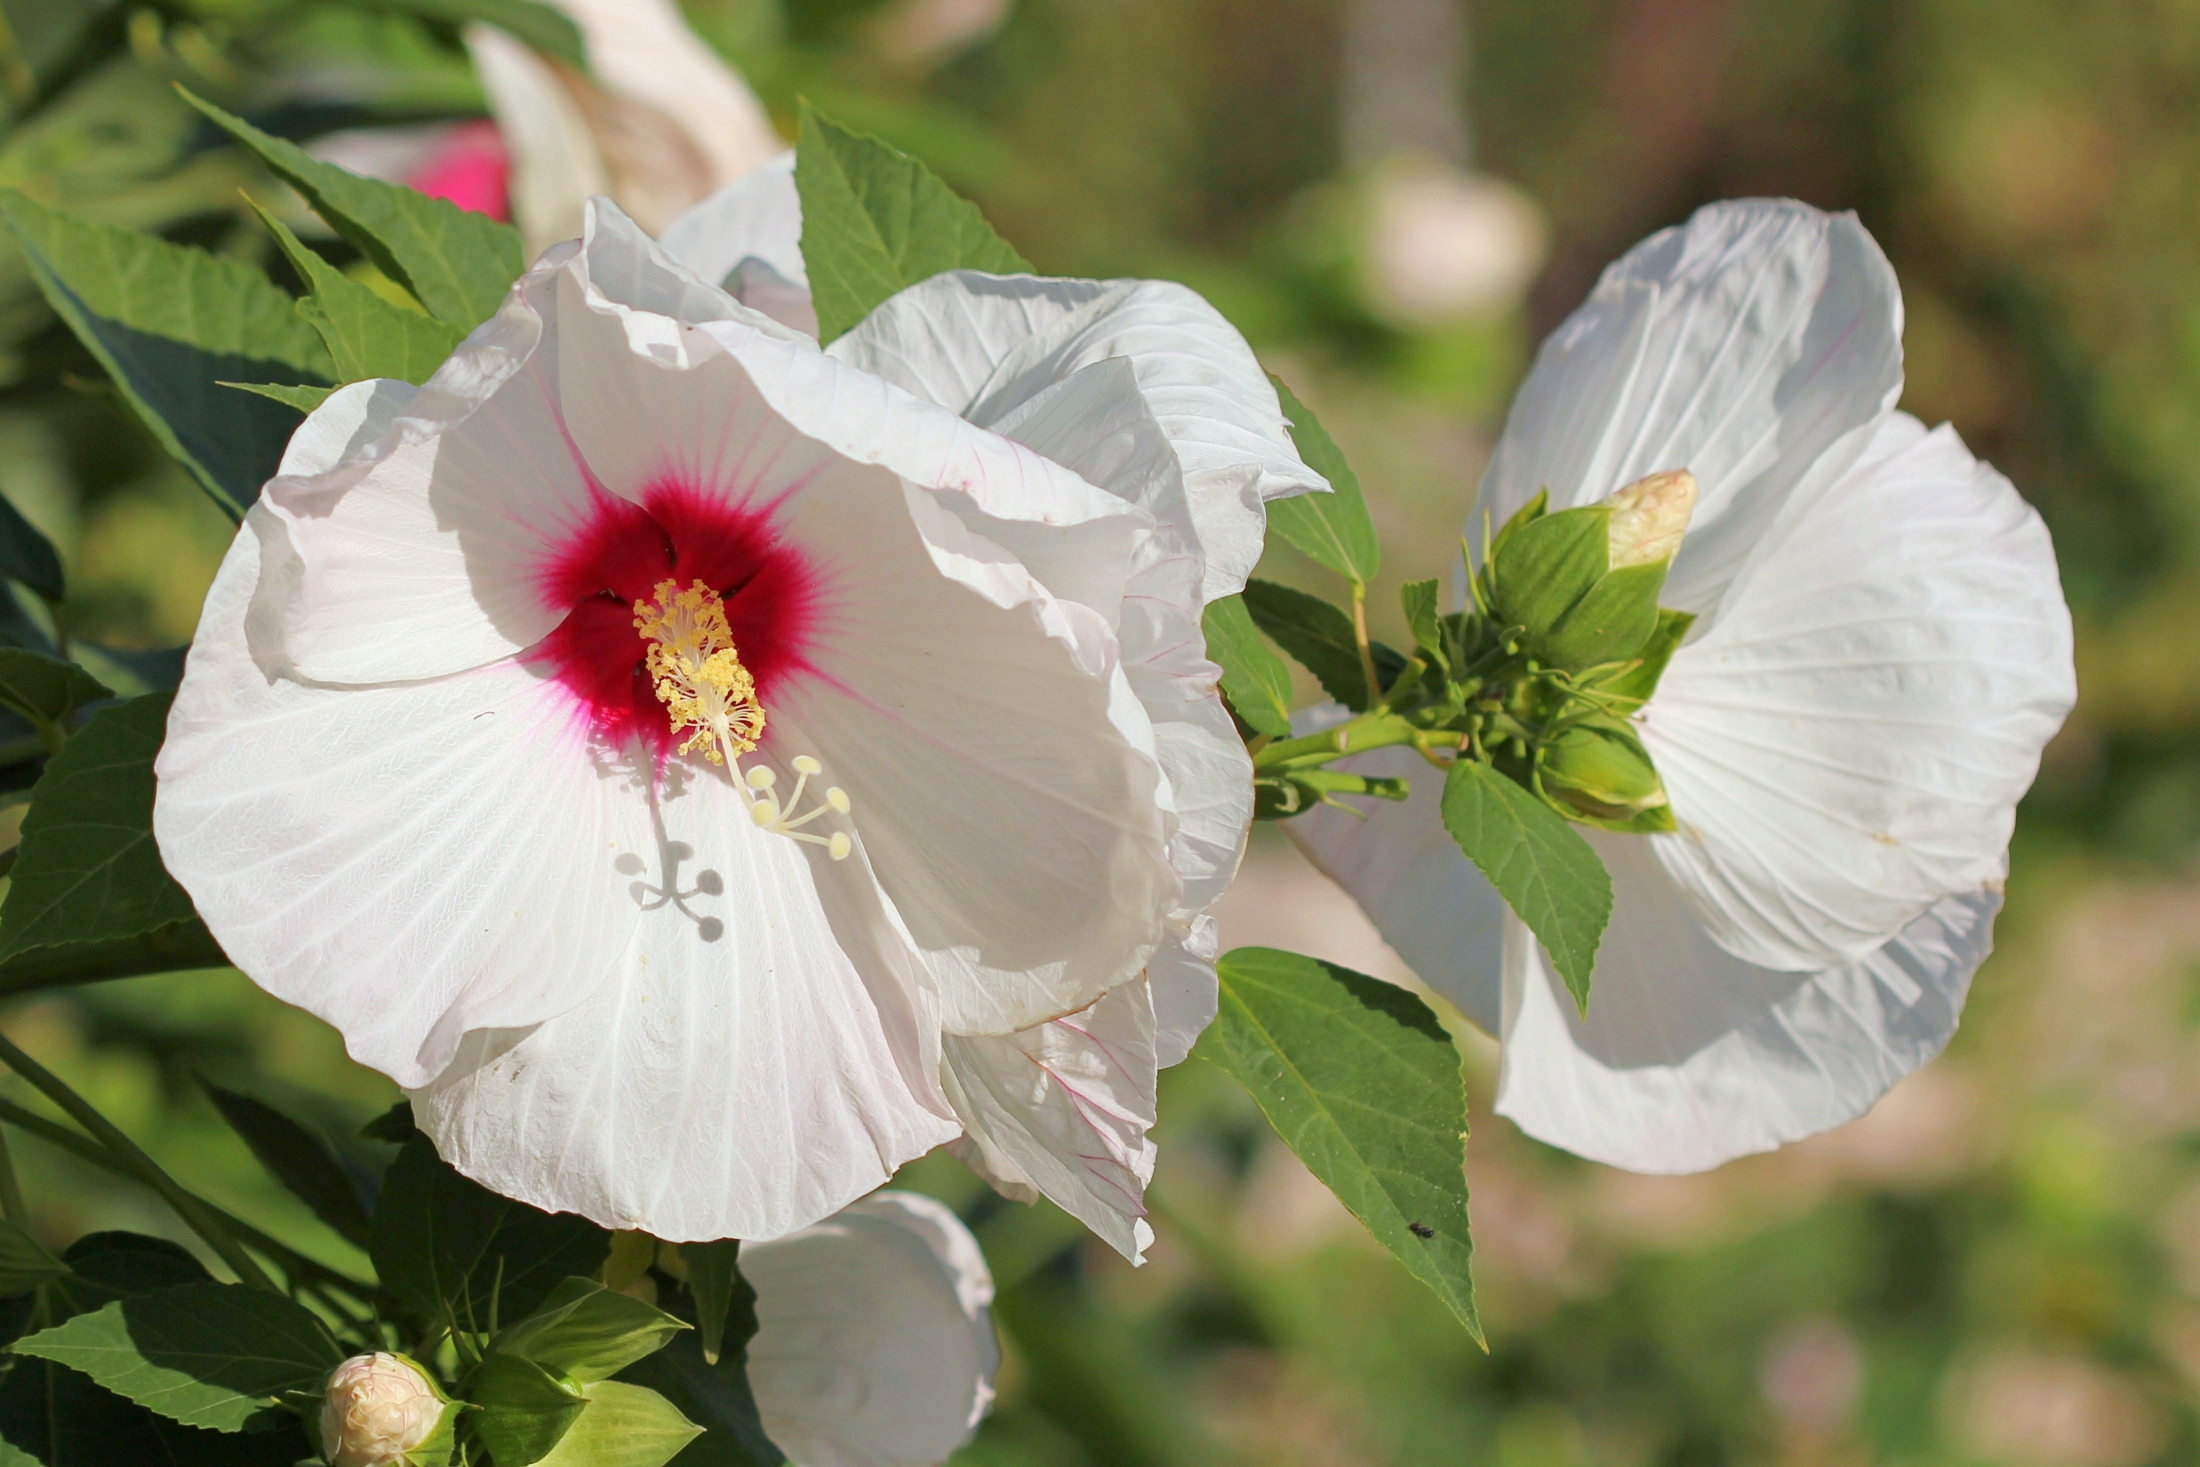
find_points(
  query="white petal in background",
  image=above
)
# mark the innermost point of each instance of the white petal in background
(1064, 1109)
(1756, 346)
(1847, 745)
(747, 238)
(874, 1344)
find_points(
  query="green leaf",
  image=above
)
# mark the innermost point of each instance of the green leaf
(46, 690)
(88, 871)
(541, 27)
(366, 336)
(457, 264)
(1538, 863)
(624, 1426)
(714, 1273)
(169, 949)
(451, 1250)
(24, 1264)
(27, 555)
(876, 221)
(1320, 637)
(1332, 528)
(1421, 603)
(304, 399)
(588, 1331)
(525, 1409)
(1641, 680)
(714, 1394)
(1254, 679)
(300, 1159)
(53, 1416)
(207, 1354)
(1358, 1078)
(170, 325)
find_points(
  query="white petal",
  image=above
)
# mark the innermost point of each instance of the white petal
(874, 1345)
(982, 345)
(1848, 744)
(406, 862)
(1065, 1107)
(1186, 992)
(1691, 1057)
(757, 1058)
(1404, 869)
(555, 164)
(1756, 346)
(643, 50)
(747, 238)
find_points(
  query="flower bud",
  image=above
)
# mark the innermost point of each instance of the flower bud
(1649, 516)
(377, 1408)
(1600, 772)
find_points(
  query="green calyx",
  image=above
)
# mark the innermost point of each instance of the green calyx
(1538, 679)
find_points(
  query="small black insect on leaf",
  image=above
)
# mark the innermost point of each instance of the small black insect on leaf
(1421, 1230)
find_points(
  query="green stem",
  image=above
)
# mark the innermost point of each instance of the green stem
(195, 1213)
(1367, 649)
(288, 1259)
(1375, 729)
(11, 1190)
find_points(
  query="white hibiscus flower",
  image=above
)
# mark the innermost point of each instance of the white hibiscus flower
(641, 741)
(1882, 650)
(874, 1344)
(1148, 393)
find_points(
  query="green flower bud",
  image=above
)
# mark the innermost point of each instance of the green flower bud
(1600, 772)
(1649, 517)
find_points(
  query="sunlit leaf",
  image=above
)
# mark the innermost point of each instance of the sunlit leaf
(1539, 864)
(588, 1331)
(624, 1426)
(1254, 679)
(366, 335)
(1334, 528)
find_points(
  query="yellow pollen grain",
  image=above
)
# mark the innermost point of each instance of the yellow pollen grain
(697, 674)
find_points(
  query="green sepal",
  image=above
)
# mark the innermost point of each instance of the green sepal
(714, 1275)
(441, 1447)
(624, 1426)
(525, 1408)
(24, 1264)
(1599, 773)
(589, 1332)
(1544, 565)
(1540, 865)
(1334, 529)
(1610, 623)
(1281, 796)
(1641, 680)
(1254, 679)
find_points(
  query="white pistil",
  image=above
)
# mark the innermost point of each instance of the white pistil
(699, 678)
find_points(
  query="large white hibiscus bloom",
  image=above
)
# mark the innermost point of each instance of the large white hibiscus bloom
(1881, 652)
(1148, 393)
(874, 1344)
(640, 740)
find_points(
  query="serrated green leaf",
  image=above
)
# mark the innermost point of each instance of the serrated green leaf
(26, 555)
(1358, 1078)
(714, 1274)
(1334, 528)
(304, 399)
(24, 1263)
(543, 28)
(1254, 679)
(45, 690)
(1539, 864)
(206, 1354)
(624, 1426)
(1320, 637)
(302, 1160)
(876, 221)
(450, 1249)
(88, 871)
(366, 336)
(588, 1331)
(170, 324)
(52, 1416)
(457, 264)
(525, 1409)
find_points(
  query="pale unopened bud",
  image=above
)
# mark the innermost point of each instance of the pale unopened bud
(377, 1408)
(1649, 517)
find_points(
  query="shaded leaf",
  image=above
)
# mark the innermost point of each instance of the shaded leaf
(58, 1417)
(88, 871)
(26, 555)
(1539, 864)
(170, 324)
(1320, 637)
(45, 690)
(24, 1262)
(1254, 679)
(716, 1395)
(300, 1159)
(457, 264)
(169, 949)
(449, 1248)
(1361, 1081)
(205, 1354)
(544, 29)
(876, 221)
(525, 1409)
(1334, 528)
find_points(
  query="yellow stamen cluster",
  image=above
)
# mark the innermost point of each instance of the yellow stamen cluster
(699, 676)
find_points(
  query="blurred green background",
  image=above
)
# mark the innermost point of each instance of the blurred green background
(1395, 199)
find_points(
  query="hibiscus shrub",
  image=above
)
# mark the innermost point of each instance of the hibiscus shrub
(1695, 789)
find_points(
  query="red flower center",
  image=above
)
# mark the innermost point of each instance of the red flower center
(623, 553)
